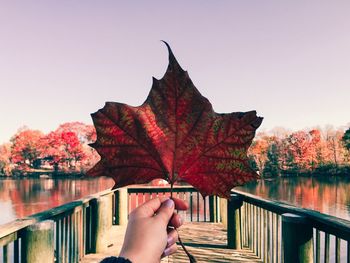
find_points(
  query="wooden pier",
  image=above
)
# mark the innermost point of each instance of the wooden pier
(206, 241)
(245, 229)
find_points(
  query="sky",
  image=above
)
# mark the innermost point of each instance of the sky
(62, 60)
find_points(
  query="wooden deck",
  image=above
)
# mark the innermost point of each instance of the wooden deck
(206, 241)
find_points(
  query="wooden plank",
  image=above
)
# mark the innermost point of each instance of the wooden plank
(326, 248)
(337, 250)
(206, 246)
(15, 226)
(58, 236)
(38, 243)
(8, 239)
(5, 254)
(16, 251)
(318, 246)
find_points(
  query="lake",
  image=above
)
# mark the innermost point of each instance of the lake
(22, 197)
(328, 195)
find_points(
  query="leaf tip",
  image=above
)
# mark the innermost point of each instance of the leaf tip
(172, 60)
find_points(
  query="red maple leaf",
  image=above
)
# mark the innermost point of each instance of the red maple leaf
(174, 135)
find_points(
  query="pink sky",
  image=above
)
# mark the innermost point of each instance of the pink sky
(61, 60)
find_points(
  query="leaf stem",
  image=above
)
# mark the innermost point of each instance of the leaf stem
(190, 257)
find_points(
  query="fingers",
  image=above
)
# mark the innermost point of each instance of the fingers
(173, 237)
(147, 209)
(169, 250)
(176, 221)
(180, 204)
(165, 212)
(151, 207)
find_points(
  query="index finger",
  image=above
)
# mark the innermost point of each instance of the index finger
(180, 204)
(150, 207)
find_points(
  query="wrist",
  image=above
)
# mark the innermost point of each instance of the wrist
(132, 256)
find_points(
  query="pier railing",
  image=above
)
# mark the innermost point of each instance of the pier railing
(62, 234)
(68, 232)
(200, 209)
(278, 232)
(275, 231)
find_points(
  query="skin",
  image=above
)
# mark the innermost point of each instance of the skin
(150, 233)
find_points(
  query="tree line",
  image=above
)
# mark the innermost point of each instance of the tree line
(313, 152)
(62, 150)
(275, 153)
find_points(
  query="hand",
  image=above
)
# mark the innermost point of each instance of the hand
(148, 237)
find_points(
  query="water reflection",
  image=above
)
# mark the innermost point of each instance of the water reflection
(23, 197)
(329, 195)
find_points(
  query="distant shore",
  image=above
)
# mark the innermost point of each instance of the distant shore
(45, 174)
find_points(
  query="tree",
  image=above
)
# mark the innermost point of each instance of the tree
(72, 148)
(85, 156)
(272, 163)
(5, 163)
(336, 153)
(25, 150)
(315, 149)
(305, 148)
(258, 151)
(86, 133)
(62, 148)
(346, 139)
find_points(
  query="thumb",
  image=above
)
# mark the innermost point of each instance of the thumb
(165, 212)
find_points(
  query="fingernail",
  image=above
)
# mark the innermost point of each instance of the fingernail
(167, 252)
(180, 220)
(169, 203)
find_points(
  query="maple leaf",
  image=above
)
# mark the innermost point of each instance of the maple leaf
(174, 135)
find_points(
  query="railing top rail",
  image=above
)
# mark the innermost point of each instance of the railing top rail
(151, 189)
(330, 224)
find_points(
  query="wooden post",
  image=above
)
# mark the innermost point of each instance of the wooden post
(234, 222)
(223, 212)
(121, 206)
(101, 222)
(212, 209)
(297, 239)
(38, 243)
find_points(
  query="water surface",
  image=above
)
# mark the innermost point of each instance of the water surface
(328, 195)
(23, 197)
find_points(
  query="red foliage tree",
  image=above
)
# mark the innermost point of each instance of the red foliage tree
(302, 150)
(5, 155)
(258, 150)
(62, 148)
(86, 133)
(25, 150)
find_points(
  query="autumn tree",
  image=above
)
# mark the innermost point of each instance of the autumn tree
(335, 151)
(305, 149)
(72, 148)
(25, 151)
(85, 133)
(5, 163)
(85, 155)
(258, 152)
(62, 148)
(315, 149)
